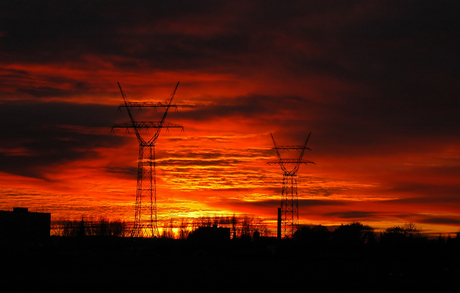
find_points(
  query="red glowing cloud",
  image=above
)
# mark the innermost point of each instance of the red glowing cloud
(374, 83)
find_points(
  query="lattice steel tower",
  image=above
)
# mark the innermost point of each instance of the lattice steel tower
(289, 196)
(145, 218)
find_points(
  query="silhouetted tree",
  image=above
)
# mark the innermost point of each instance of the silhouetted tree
(183, 232)
(168, 229)
(246, 226)
(118, 228)
(206, 221)
(84, 227)
(255, 235)
(81, 231)
(234, 224)
(399, 235)
(302, 234)
(71, 228)
(316, 235)
(216, 220)
(195, 224)
(353, 234)
(101, 228)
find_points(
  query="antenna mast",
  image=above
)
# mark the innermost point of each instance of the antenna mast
(289, 196)
(145, 218)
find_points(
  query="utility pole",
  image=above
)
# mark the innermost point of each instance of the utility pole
(289, 196)
(145, 218)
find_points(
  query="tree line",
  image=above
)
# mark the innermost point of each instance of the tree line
(79, 228)
(250, 227)
(357, 233)
(242, 226)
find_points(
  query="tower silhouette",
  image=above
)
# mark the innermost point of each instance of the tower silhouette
(289, 196)
(145, 218)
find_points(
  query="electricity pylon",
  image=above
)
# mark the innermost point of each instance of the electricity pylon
(145, 218)
(289, 196)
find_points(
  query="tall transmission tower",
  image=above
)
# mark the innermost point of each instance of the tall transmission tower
(145, 218)
(289, 196)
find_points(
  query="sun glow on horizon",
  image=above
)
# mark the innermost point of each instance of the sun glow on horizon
(384, 127)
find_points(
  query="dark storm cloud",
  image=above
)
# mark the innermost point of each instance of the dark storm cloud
(358, 125)
(318, 202)
(328, 191)
(391, 49)
(214, 154)
(427, 192)
(375, 127)
(193, 140)
(303, 203)
(128, 172)
(440, 221)
(58, 31)
(251, 106)
(439, 198)
(27, 84)
(194, 162)
(353, 38)
(370, 79)
(16, 114)
(353, 215)
(48, 92)
(381, 42)
(35, 136)
(401, 58)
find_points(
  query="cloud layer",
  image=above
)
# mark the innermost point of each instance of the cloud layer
(376, 83)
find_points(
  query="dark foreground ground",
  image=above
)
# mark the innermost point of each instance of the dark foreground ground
(126, 264)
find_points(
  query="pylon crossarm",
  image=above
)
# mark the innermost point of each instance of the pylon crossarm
(293, 172)
(155, 136)
(125, 100)
(275, 148)
(290, 161)
(147, 124)
(146, 105)
(305, 147)
(290, 147)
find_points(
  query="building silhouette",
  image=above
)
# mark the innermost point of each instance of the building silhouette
(20, 225)
(212, 234)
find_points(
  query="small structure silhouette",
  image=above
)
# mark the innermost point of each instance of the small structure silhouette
(22, 225)
(212, 234)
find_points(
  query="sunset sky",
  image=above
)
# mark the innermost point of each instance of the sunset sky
(376, 83)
